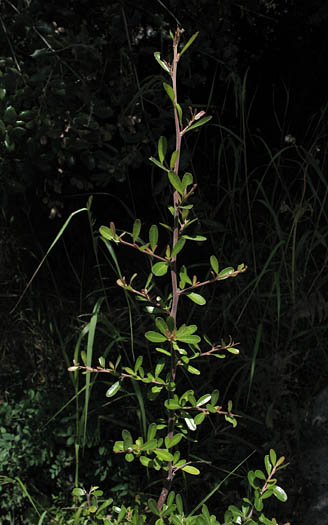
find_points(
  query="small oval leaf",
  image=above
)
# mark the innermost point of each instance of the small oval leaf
(196, 298)
(191, 470)
(113, 389)
(155, 337)
(160, 268)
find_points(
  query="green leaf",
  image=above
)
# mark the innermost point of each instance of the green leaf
(138, 363)
(193, 370)
(172, 404)
(233, 350)
(151, 444)
(224, 274)
(162, 149)
(162, 351)
(184, 278)
(265, 520)
(161, 325)
(198, 238)
(152, 504)
(179, 503)
(187, 180)
(203, 400)
(267, 464)
(174, 157)
(113, 389)
(10, 146)
(145, 461)
(157, 56)
(127, 438)
(260, 474)
(159, 367)
(188, 44)
(199, 418)
(153, 236)
(273, 456)
(179, 110)
(10, 115)
(129, 457)
(280, 462)
(158, 164)
(215, 264)
(215, 397)
(196, 298)
(78, 492)
(169, 91)
(189, 339)
(151, 432)
(267, 494)
(198, 123)
(163, 454)
(178, 247)
(160, 268)
(186, 330)
(173, 441)
(2, 93)
(106, 233)
(191, 470)
(176, 181)
(136, 229)
(280, 493)
(155, 337)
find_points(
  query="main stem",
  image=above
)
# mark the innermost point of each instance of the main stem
(174, 280)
